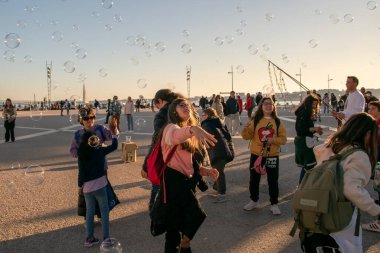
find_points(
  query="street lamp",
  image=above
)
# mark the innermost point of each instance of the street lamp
(328, 84)
(232, 76)
(300, 75)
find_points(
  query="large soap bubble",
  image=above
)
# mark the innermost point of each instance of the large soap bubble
(115, 247)
(12, 40)
(35, 175)
(69, 66)
(371, 5)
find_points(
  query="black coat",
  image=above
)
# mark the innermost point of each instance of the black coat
(223, 149)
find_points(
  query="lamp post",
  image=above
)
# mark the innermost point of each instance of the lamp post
(300, 75)
(328, 84)
(232, 77)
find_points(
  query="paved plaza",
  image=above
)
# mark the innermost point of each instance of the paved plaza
(43, 218)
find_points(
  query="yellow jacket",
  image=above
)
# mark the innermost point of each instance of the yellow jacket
(266, 128)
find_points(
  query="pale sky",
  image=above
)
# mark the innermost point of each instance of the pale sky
(126, 41)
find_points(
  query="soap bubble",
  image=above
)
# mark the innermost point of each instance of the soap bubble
(140, 123)
(334, 19)
(160, 47)
(253, 49)
(21, 24)
(304, 65)
(82, 77)
(243, 23)
(171, 86)
(229, 39)
(348, 18)
(15, 166)
(54, 85)
(219, 41)
(263, 57)
(57, 36)
(371, 5)
(12, 40)
(140, 39)
(131, 40)
(186, 48)
(239, 31)
(81, 53)
(185, 33)
(107, 4)
(9, 55)
(135, 61)
(285, 58)
(239, 9)
(75, 27)
(108, 27)
(266, 47)
(74, 45)
(142, 83)
(103, 72)
(10, 186)
(317, 12)
(117, 18)
(269, 17)
(313, 43)
(53, 22)
(95, 14)
(69, 66)
(35, 113)
(27, 59)
(268, 90)
(35, 175)
(115, 247)
(240, 69)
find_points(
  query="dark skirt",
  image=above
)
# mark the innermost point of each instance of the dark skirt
(184, 212)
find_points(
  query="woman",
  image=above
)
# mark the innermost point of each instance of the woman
(222, 152)
(359, 131)
(128, 111)
(326, 103)
(92, 182)
(184, 214)
(334, 102)
(266, 134)
(218, 107)
(162, 100)
(9, 115)
(306, 114)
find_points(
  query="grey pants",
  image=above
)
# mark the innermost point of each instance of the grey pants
(221, 182)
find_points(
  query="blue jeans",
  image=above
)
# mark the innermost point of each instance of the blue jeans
(130, 122)
(153, 195)
(91, 198)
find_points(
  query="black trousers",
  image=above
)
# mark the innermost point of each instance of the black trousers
(272, 176)
(9, 130)
(312, 242)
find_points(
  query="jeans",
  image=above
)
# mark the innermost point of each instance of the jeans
(130, 122)
(232, 122)
(9, 130)
(153, 194)
(221, 182)
(272, 176)
(91, 198)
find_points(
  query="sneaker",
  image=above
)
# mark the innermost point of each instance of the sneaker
(251, 205)
(275, 210)
(220, 198)
(89, 242)
(107, 242)
(372, 226)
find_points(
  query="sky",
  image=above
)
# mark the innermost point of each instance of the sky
(132, 48)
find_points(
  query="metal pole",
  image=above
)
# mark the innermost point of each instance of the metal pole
(300, 75)
(232, 76)
(328, 84)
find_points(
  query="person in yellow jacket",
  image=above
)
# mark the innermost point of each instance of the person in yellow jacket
(266, 134)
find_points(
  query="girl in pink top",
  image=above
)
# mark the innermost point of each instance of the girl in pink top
(183, 174)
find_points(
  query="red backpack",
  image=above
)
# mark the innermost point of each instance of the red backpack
(155, 163)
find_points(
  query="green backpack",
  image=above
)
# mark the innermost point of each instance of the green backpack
(319, 205)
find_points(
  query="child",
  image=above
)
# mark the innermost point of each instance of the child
(92, 182)
(266, 133)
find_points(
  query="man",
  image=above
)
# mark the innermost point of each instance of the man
(258, 97)
(232, 114)
(68, 107)
(108, 110)
(368, 99)
(62, 105)
(362, 90)
(249, 105)
(354, 103)
(212, 100)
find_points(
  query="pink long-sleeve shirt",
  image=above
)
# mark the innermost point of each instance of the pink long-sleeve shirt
(182, 159)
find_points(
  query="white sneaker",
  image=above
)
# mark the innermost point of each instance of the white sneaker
(275, 210)
(251, 205)
(220, 198)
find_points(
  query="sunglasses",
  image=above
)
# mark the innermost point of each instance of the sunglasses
(184, 105)
(88, 118)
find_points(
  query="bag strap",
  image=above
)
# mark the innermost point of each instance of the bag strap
(168, 158)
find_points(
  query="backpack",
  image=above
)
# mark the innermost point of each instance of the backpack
(155, 163)
(319, 205)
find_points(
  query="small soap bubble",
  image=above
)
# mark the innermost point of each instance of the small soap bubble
(9, 55)
(21, 24)
(240, 69)
(117, 18)
(219, 41)
(239, 31)
(140, 122)
(95, 14)
(160, 47)
(239, 9)
(15, 166)
(134, 61)
(186, 48)
(74, 45)
(130, 40)
(103, 72)
(140, 39)
(27, 59)
(82, 77)
(371, 5)
(229, 39)
(142, 83)
(69, 66)
(253, 49)
(171, 86)
(266, 47)
(313, 43)
(107, 4)
(53, 22)
(75, 27)
(12, 40)
(269, 17)
(10, 186)
(35, 113)
(334, 19)
(243, 23)
(348, 18)
(147, 45)
(57, 36)
(185, 33)
(108, 27)
(81, 53)
(304, 65)
(114, 247)
(148, 53)
(317, 12)
(35, 175)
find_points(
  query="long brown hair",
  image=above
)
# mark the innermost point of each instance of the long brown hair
(191, 144)
(259, 114)
(307, 106)
(353, 133)
(6, 105)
